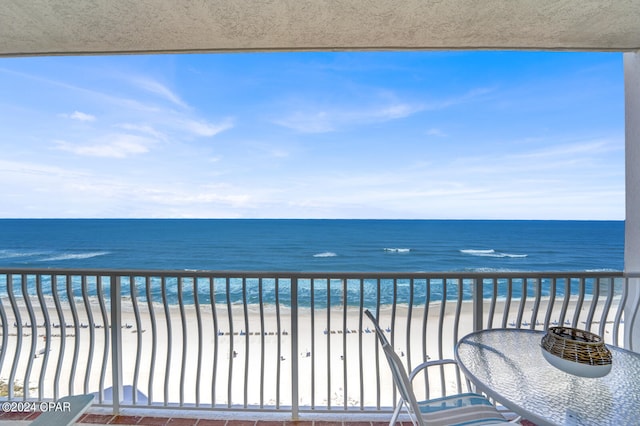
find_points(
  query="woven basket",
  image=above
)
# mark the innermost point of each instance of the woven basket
(576, 345)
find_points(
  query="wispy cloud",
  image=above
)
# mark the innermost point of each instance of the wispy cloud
(159, 89)
(311, 119)
(143, 128)
(114, 146)
(336, 118)
(81, 116)
(205, 128)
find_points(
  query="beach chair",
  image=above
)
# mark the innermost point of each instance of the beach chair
(65, 412)
(460, 409)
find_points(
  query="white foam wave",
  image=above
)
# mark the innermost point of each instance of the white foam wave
(398, 250)
(74, 256)
(491, 253)
(10, 254)
(325, 254)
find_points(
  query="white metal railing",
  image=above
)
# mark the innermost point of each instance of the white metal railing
(266, 341)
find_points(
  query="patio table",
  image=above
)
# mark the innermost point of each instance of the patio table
(508, 365)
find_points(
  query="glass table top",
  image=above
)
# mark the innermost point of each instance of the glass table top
(509, 366)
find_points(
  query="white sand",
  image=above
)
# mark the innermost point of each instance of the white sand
(334, 355)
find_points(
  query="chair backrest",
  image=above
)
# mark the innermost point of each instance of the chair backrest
(400, 377)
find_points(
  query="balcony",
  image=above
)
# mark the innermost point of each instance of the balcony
(214, 344)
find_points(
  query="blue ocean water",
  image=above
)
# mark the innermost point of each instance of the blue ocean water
(313, 245)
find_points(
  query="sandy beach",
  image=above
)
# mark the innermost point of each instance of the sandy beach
(243, 356)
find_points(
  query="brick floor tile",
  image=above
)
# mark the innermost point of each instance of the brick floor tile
(153, 421)
(15, 415)
(125, 420)
(98, 419)
(182, 422)
(209, 422)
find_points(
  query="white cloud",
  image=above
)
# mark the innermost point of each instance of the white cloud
(143, 128)
(329, 120)
(81, 116)
(203, 128)
(159, 89)
(115, 146)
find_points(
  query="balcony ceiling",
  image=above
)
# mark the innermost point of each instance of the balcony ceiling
(70, 27)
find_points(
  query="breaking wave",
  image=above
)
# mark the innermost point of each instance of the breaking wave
(490, 253)
(325, 254)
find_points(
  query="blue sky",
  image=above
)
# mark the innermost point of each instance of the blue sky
(416, 135)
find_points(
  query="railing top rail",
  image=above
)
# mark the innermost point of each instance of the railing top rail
(310, 274)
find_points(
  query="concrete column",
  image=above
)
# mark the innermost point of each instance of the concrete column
(632, 182)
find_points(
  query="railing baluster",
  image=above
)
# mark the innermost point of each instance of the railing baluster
(167, 316)
(409, 316)
(313, 341)
(5, 329)
(425, 317)
(185, 342)
(62, 335)
(328, 343)
(232, 352)
(478, 303)
(443, 306)
(378, 384)
(196, 303)
(360, 350)
(579, 303)
(565, 301)
(595, 293)
(523, 301)
(262, 343)
(76, 328)
(279, 344)
(106, 324)
(18, 325)
(344, 355)
(34, 336)
(136, 312)
(456, 322)
(536, 303)
(550, 302)
(607, 306)
(47, 336)
(216, 329)
(116, 341)
(92, 340)
(246, 339)
(492, 305)
(295, 379)
(154, 338)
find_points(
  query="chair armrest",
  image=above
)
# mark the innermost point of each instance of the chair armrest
(427, 364)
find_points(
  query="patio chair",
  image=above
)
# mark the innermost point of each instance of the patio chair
(461, 409)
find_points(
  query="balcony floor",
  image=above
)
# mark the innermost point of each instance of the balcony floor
(19, 419)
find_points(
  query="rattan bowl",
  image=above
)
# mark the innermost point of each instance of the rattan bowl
(576, 351)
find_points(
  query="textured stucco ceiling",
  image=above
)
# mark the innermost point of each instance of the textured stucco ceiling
(49, 27)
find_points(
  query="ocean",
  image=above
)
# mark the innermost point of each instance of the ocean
(313, 245)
